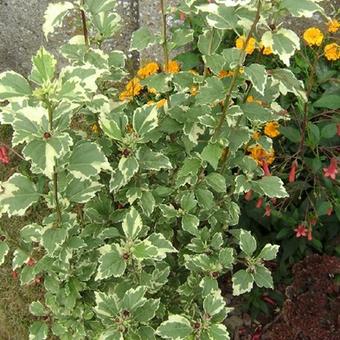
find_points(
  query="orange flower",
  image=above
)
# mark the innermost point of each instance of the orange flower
(266, 50)
(256, 135)
(225, 73)
(251, 99)
(261, 155)
(241, 41)
(332, 51)
(132, 88)
(95, 128)
(194, 90)
(333, 26)
(271, 129)
(313, 36)
(172, 67)
(161, 103)
(148, 70)
(152, 90)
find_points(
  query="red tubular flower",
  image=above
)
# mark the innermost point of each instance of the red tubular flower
(300, 230)
(292, 172)
(30, 262)
(259, 203)
(330, 211)
(265, 168)
(14, 274)
(309, 235)
(269, 300)
(313, 221)
(182, 16)
(248, 195)
(267, 210)
(332, 170)
(4, 158)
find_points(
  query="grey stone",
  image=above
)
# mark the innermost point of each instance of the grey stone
(21, 31)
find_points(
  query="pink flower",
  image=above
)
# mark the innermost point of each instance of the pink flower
(248, 195)
(309, 235)
(332, 170)
(4, 155)
(265, 168)
(300, 230)
(259, 203)
(292, 172)
(267, 210)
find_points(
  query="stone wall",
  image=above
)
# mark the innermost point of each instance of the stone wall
(21, 28)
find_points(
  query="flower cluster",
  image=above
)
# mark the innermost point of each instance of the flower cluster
(314, 37)
(251, 45)
(134, 87)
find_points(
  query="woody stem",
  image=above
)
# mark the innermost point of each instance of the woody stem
(164, 34)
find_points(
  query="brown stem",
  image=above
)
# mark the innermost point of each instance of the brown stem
(236, 73)
(85, 30)
(164, 34)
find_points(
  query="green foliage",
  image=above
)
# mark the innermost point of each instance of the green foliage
(142, 209)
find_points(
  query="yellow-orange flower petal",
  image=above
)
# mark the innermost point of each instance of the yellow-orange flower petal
(313, 36)
(241, 42)
(256, 135)
(161, 103)
(225, 73)
(259, 154)
(172, 67)
(333, 26)
(266, 50)
(332, 51)
(148, 70)
(194, 90)
(271, 129)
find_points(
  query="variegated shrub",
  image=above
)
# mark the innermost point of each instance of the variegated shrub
(142, 208)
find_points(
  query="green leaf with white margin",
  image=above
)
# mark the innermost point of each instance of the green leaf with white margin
(163, 245)
(82, 191)
(128, 166)
(111, 262)
(97, 6)
(142, 38)
(37, 308)
(242, 282)
(52, 239)
(301, 8)
(213, 303)
(271, 186)
(54, 16)
(147, 203)
(43, 69)
(212, 154)
(134, 298)
(209, 41)
(145, 119)
(247, 242)
(17, 195)
(217, 182)
(288, 83)
(4, 249)
(113, 124)
(218, 332)
(19, 258)
(38, 331)
(176, 327)
(144, 250)
(147, 311)
(107, 306)
(31, 233)
(111, 334)
(269, 252)
(226, 257)
(181, 37)
(237, 136)
(13, 86)
(284, 43)
(44, 152)
(132, 224)
(190, 224)
(263, 277)
(87, 160)
(219, 16)
(257, 75)
(212, 92)
(151, 160)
